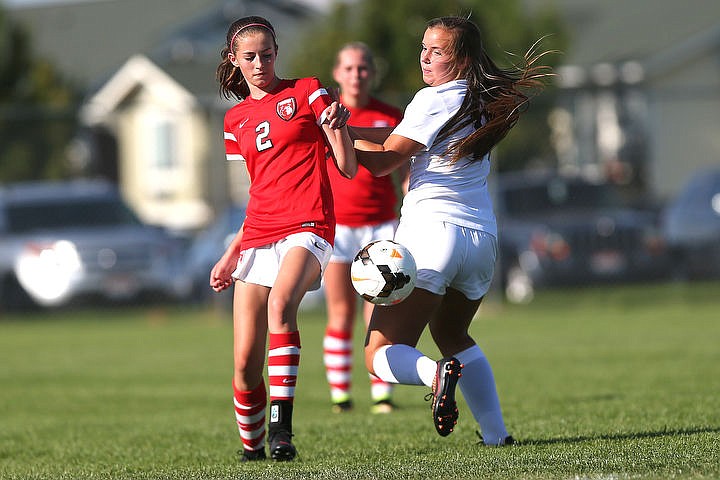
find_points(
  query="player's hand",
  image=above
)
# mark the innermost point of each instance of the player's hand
(336, 115)
(220, 277)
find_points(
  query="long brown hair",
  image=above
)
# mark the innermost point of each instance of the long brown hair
(495, 96)
(232, 82)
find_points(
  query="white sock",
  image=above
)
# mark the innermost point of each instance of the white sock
(403, 364)
(478, 387)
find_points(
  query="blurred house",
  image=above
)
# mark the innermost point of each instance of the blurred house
(640, 90)
(152, 119)
(167, 163)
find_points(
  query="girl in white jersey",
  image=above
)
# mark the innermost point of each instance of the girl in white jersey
(447, 220)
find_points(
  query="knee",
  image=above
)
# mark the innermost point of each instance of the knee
(341, 316)
(281, 309)
(369, 356)
(371, 349)
(277, 305)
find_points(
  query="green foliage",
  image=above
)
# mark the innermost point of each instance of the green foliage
(37, 110)
(394, 30)
(612, 383)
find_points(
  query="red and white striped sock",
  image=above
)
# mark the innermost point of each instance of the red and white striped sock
(380, 390)
(283, 361)
(250, 415)
(337, 356)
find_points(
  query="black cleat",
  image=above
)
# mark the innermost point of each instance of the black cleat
(503, 442)
(444, 408)
(281, 447)
(280, 431)
(252, 455)
(383, 406)
(507, 441)
(342, 407)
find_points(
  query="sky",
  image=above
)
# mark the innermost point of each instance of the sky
(37, 3)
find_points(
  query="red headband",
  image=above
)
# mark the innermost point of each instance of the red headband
(269, 29)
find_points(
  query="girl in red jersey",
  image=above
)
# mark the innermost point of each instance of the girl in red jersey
(365, 209)
(281, 129)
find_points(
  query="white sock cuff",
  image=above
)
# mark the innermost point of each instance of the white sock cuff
(426, 368)
(382, 366)
(470, 355)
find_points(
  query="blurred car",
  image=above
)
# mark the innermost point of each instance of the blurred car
(207, 248)
(62, 241)
(691, 225)
(554, 230)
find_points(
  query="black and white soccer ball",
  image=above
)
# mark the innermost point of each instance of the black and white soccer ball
(383, 272)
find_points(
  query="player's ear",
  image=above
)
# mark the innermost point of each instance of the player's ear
(233, 59)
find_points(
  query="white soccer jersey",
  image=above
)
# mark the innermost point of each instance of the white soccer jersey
(439, 189)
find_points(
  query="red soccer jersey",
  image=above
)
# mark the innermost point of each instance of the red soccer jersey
(366, 200)
(280, 139)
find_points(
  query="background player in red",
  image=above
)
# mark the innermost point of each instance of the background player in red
(281, 129)
(365, 210)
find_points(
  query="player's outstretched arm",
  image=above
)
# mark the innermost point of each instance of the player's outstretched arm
(383, 159)
(371, 134)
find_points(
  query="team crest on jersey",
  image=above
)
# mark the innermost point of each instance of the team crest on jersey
(286, 108)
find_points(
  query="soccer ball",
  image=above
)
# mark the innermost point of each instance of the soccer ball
(383, 272)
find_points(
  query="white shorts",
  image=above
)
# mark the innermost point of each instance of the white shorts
(349, 240)
(448, 255)
(261, 265)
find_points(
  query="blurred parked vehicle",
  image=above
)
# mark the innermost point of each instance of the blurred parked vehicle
(62, 241)
(207, 248)
(555, 230)
(691, 225)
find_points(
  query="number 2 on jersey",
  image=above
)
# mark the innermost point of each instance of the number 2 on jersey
(262, 142)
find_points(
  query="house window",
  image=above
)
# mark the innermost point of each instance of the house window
(165, 145)
(161, 155)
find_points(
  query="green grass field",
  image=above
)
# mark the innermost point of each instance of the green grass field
(605, 383)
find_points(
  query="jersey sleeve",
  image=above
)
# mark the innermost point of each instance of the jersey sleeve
(318, 98)
(424, 117)
(232, 147)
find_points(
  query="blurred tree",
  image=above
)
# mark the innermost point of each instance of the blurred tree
(394, 31)
(37, 110)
